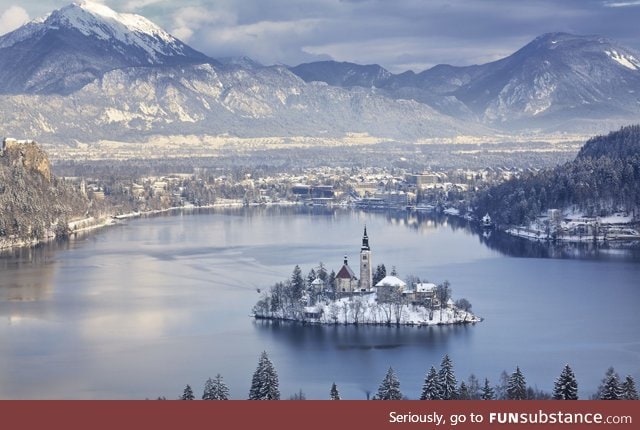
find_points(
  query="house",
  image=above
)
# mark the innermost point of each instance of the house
(425, 293)
(389, 285)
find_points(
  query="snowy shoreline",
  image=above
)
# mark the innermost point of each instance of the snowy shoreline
(89, 224)
(574, 227)
(378, 324)
(367, 310)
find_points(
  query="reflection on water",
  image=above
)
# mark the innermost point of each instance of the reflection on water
(141, 309)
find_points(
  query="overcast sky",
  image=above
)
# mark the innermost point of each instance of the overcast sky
(397, 34)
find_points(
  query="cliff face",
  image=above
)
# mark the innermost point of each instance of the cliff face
(34, 205)
(27, 153)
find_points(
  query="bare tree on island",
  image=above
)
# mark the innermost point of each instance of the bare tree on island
(264, 385)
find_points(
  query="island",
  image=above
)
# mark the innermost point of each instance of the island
(372, 299)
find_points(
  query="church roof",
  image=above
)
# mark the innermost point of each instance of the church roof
(391, 281)
(346, 272)
(317, 281)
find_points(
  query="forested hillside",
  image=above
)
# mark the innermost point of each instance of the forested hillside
(604, 177)
(33, 203)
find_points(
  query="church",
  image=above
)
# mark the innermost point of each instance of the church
(346, 280)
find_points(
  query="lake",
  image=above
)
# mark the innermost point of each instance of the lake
(139, 310)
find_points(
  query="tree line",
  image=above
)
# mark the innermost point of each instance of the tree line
(438, 384)
(603, 178)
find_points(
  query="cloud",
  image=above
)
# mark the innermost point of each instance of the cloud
(189, 20)
(133, 5)
(622, 4)
(12, 18)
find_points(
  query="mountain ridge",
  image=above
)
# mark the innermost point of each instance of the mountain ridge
(85, 72)
(553, 75)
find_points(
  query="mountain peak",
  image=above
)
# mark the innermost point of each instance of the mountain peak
(78, 43)
(98, 20)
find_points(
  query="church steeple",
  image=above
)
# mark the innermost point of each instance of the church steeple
(366, 273)
(365, 241)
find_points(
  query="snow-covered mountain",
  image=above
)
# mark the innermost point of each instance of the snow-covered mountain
(75, 45)
(86, 73)
(139, 103)
(558, 81)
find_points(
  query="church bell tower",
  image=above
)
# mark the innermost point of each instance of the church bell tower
(366, 273)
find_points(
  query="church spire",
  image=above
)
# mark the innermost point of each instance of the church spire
(365, 240)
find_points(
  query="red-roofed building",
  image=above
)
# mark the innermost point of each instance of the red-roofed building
(346, 281)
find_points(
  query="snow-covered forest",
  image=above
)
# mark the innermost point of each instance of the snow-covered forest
(604, 178)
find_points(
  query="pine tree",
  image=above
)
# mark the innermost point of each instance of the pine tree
(431, 387)
(447, 380)
(215, 389)
(390, 387)
(335, 395)
(629, 391)
(379, 274)
(187, 394)
(517, 386)
(487, 391)
(311, 277)
(297, 283)
(264, 385)
(463, 392)
(566, 386)
(610, 388)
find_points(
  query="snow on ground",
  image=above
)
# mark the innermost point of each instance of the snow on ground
(365, 309)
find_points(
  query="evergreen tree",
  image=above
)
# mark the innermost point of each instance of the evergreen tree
(264, 385)
(629, 391)
(331, 284)
(447, 380)
(215, 389)
(335, 395)
(297, 283)
(311, 277)
(187, 394)
(322, 272)
(463, 392)
(379, 274)
(390, 387)
(610, 388)
(431, 387)
(517, 386)
(487, 391)
(566, 386)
